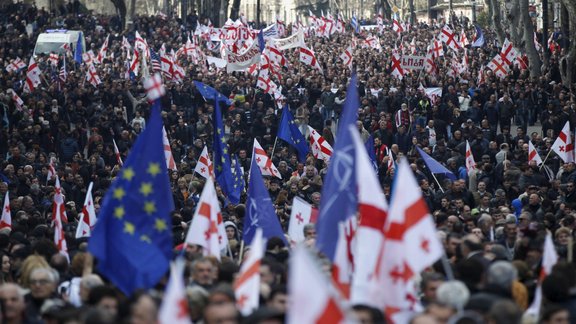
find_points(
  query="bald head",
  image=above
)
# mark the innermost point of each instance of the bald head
(12, 297)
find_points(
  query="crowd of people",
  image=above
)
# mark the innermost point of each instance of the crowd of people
(492, 221)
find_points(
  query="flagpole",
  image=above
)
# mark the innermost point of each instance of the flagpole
(546, 158)
(439, 186)
(241, 254)
(274, 147)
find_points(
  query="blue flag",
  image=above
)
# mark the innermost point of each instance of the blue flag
(261, 41)
(239, 183)
(435, 166)
(260, 212)
(222, 162)
(339, 200)
(371, 152)
(210, 93)
(289, 132)
(132, 239)
(355, 24)
(479, 39)
(79, 50)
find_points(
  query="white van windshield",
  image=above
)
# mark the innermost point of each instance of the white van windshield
(49, 48)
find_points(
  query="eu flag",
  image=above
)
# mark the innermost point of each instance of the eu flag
(339, 201)
(210, 93)
(132, 239)
(79, 50)
(222, 163)
(289, 132)
(371, 152)
(239, 183)
(435, 166)
(260, 212)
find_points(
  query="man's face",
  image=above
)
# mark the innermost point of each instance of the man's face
(430, 289)
(203, 273)
(279, 302)
(109, 305)
(41, 285)
(13, 302)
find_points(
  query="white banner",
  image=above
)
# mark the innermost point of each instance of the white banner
(296, 40)
(218, 62)
(239, 62)
(413, 62)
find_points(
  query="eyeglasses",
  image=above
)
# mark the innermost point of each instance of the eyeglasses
(40, 282)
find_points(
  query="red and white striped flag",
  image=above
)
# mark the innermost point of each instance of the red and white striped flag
(247, 284)
(117, 153)
(563, 144)
(174, 308)
(302, 213)
(308, 57)
(88, 215)
(207, 228)
(533, 155)
(170, 163)
(204, 166)
(32, 76)
(51, 170)
(265, 162)
(6, 220)
(103, 51)
(321, 149)
(15, 65)
(372, 215)
(58, 218)
(470, 163)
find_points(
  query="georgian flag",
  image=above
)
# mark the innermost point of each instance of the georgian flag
(174, 308)
(117, 153)
(135, 63)
(533, 155)
(6, 220)
(92, 75)
(397, 26)
(448, 36)
(264, 162)
(508, 52)
(302, 213)
(563, 144)
(470, 163)
(247, 284)
(321, 149)
(499, 67)
(53, 58)
(204, 165)
(15, 65)
(170, 163)
(347, 57)
(154, 87)
(207, 228)
(58, 218)
(88, 215)
(32, 76)
(103, 51)
(17, 100)
(307, 57)
(396, 66)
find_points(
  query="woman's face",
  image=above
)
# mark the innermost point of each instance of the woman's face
(5, 264)
(230, 232)
(563, 239)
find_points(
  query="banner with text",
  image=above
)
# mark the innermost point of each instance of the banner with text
(413, 62)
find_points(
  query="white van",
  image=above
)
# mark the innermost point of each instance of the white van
(52, 41)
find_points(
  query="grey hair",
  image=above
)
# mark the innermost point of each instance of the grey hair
(484, 218)
(52, 274)
(502, 274)
(453, 293)
(308, 226)
(91, 281)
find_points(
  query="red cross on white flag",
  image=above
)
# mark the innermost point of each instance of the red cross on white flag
(396, 66)
(247, 284)
(508, 52)
(15, 65)
(448, 36)
(204, 165)
(103, 51)
(321, 149)
(264, 162)
(6, 220)
(92, 75)
(88, 215)
(347, 57)
(301, 214)
(308, 57)
(533, 156)
(563, 144)
(154, 87)
(32, 76)
(170, 163)
(470, 163)
(174, 308)
(498, 66)
(207, 228)
(53, 58)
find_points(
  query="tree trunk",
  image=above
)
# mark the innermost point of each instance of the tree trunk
(568, 61)
(494, 6)
(515, 27)
(120, 6)
(528, 40)
(235, 10)
(222, 12)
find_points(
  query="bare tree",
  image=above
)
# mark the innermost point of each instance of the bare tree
(522, 33)
(494, 12)
(568, 61)
(121, 10)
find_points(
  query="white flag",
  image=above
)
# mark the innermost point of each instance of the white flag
(300, 215)
(174, 308)
(88, 215)
(247, 284)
